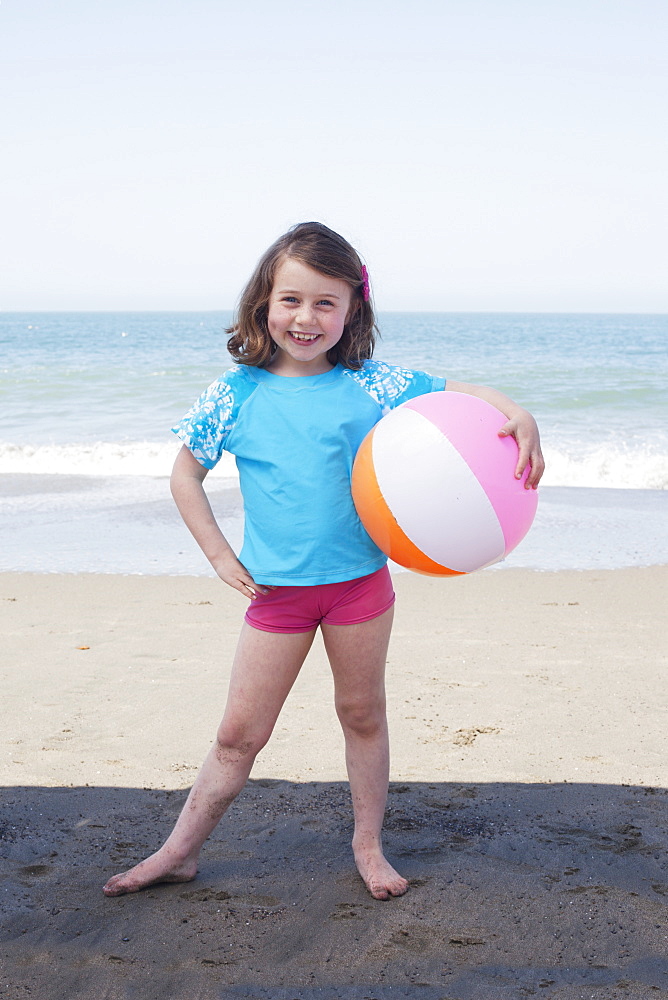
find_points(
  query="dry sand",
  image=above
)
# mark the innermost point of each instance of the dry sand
(528, 806)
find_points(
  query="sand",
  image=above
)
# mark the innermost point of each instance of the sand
(528, 805)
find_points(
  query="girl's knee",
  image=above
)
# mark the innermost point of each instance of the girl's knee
(239, 742)
(364, 718)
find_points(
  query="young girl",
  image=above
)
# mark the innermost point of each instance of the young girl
(294, 410)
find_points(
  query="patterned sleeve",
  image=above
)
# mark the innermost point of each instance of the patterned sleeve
(391, 385)
(206, 426)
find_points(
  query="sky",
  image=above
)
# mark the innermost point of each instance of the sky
(482, 155)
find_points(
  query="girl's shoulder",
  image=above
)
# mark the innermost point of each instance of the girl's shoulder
(207, 425)
(387, 383)
(235, 376)
(233, 382)
(226, 394)
(373, 368)
(391, 385)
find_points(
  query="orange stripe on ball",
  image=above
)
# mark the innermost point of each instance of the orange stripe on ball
(381, 523)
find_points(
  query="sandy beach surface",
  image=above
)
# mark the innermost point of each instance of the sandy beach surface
(528, 805)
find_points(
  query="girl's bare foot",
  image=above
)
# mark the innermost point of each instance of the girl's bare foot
(378, 875)
(158, 868)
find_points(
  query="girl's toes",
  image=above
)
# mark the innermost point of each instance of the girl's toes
(399, 887)
(114, 886)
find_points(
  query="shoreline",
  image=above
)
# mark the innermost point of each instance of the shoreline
(131, 525)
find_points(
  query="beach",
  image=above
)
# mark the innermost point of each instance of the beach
(528, 802)
(494, 178)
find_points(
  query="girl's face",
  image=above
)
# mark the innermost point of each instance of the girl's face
(306, 317)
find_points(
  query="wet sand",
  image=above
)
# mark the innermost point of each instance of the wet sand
(528, 806)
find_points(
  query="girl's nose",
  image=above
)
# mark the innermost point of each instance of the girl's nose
(305, 314)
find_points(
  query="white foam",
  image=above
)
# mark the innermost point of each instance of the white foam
(617, 466)
(596, 464)
(100, 458)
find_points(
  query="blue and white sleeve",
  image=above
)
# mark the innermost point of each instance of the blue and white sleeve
(391, 385)
(406, 384)
(206, 426)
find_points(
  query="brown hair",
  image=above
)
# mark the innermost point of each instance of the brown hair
(325, 251)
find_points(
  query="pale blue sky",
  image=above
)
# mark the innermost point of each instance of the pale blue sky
(481, 154)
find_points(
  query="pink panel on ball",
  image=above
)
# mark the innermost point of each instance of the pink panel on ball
(472, 426)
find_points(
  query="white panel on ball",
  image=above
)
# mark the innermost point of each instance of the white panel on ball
(428, 486)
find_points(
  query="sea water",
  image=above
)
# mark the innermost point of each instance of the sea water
(88, 400)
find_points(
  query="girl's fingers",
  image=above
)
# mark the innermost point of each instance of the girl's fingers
(537, 470)
(509, 429)
(536, 465)
(235, 575)
(249, 586)
(252, 588)
(521, 465)
(529, 453)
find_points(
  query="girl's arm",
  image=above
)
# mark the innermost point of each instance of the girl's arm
(520, 424)
(188, 492)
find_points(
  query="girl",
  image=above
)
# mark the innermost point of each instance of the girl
(293, 411)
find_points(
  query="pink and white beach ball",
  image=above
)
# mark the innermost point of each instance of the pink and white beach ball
(435, 486)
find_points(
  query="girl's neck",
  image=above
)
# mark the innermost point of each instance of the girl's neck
(287, 368)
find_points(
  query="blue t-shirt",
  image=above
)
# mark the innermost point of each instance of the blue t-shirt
(294, 440)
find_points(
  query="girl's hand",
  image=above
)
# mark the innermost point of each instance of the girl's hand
(520, 425)
(235, 574)
(188, 492)
(524, 429)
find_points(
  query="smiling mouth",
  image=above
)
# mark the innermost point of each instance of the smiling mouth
(304, 338)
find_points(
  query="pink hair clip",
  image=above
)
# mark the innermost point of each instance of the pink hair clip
(365, 283)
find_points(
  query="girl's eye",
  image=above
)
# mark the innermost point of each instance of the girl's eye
(325, 302)
(289, 298)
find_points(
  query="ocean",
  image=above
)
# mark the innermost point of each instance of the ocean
(88, 400)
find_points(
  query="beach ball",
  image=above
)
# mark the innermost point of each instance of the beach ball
(435, 486)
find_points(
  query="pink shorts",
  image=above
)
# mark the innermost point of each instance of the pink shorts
(302, 609)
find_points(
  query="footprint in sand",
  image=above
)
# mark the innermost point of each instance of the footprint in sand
(465, 737)
(34, 871)
(346, 911)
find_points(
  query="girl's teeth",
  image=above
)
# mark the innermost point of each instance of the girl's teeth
(304, 336)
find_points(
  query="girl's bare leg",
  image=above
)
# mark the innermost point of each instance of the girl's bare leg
(357, 654)
(265, 668)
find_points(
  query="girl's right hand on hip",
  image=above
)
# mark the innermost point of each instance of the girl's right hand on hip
(235, 574)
